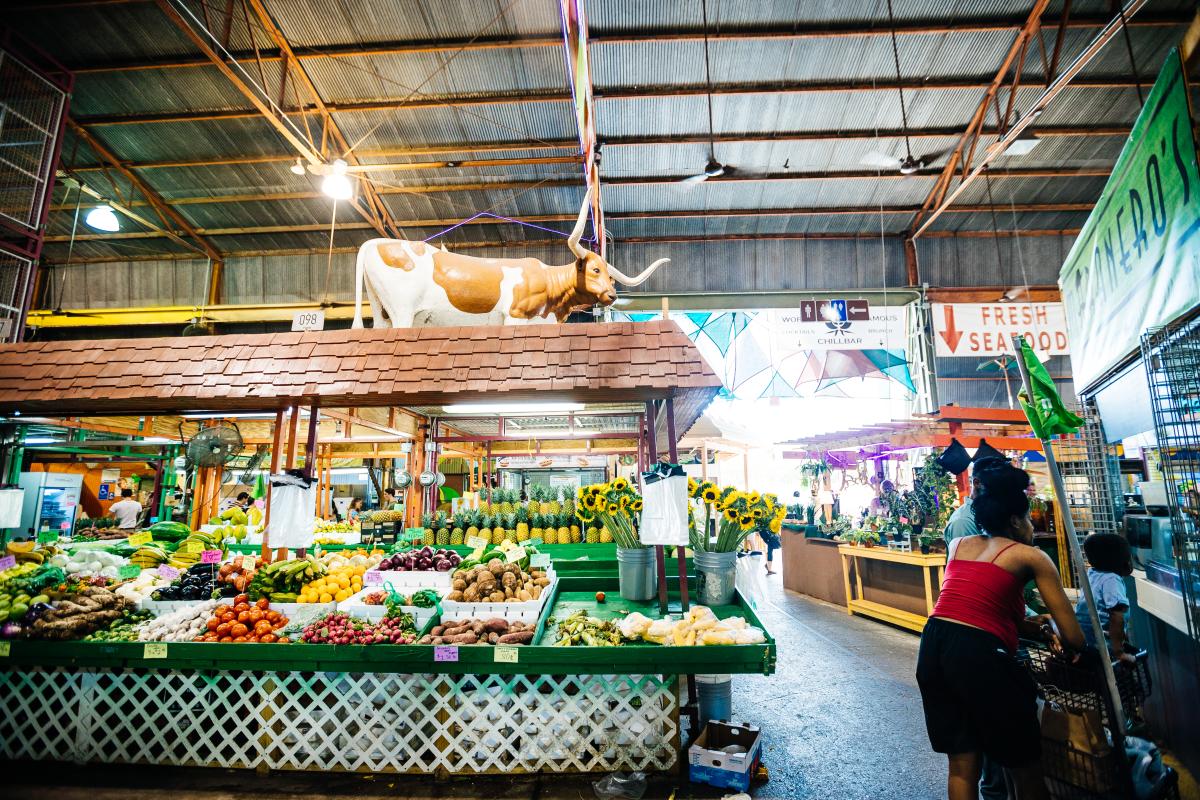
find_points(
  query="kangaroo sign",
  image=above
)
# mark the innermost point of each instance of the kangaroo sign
(986, 329)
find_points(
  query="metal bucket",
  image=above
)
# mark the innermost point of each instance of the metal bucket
(714, 694)
(716, 574)
(635, 571)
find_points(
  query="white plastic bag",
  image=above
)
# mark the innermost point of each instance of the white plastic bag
(664, 506)
(752, 579)
(293, 498)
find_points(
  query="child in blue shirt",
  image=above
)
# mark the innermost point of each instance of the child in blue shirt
(1110, 562)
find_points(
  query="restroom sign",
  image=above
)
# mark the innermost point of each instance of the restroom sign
(986, 329)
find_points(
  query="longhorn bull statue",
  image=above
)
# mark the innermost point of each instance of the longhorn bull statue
(411, 283)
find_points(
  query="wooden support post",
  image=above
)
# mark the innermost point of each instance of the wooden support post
(276, 453)
(660, 556)
(293, 440)
(310, 451)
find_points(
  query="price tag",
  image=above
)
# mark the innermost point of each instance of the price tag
(6, 648)
(154, 650)
(475, 542)
(8, 562)
(445, 652)
(505, 654)
(170, 573)
(539, 560)
(308, 321)
(413, 534)
(514, 555)
(128, 571)
(372, 577)
(138, 539)
(534, 542)
(194, 547)
(210, 557)
(47, 537)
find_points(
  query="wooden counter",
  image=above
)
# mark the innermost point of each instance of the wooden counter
(813, 567)
(882, 583)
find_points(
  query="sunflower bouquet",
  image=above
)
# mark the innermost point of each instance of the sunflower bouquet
(616, 505)
(739, 514)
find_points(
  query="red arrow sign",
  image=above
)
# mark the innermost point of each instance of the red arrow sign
(951, 335)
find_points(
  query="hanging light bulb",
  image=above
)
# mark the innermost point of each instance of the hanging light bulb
(102, 218)
(336, 184)
(297, 168)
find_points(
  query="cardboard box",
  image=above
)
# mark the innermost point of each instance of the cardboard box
(709, 763)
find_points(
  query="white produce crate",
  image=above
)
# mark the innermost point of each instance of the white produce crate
(355, 607)
(527, 612)
(414, 579)
(162, 607)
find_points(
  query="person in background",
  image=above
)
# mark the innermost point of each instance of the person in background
(126, 510)
(1109, 563)
(354, 510)
(388, 500)
(978, 701)
(242, 501)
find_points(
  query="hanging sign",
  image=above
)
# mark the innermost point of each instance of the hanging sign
(110, 475)
(986, 329)
(1136, 263)
(105, 492)
(308, 321)
(830, 325)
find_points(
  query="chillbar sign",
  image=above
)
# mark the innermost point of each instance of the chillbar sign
(1136, 262)
(986, 329)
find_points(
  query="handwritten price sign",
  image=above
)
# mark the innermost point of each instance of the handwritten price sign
(444, 652)
(170, 573)
(210, 557)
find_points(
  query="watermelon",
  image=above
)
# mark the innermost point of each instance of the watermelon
(170, 531)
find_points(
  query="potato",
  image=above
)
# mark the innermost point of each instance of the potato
(455, 596)
(496, 597)
(524, 596)
(458, 584)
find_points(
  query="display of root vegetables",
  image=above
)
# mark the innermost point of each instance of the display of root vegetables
(497, 582)
(479, 631)
(181, 625)
(79, 615)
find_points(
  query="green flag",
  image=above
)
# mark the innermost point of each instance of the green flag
(1047, 415)
(260, 487)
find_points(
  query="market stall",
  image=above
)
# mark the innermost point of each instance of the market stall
(457, 677)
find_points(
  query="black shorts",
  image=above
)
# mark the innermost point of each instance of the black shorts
(977, 698)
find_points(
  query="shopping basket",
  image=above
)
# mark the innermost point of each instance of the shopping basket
(1073, 773)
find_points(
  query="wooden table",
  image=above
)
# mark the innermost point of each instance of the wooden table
(856, 602)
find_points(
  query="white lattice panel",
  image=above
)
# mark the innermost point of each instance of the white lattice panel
(341, 721)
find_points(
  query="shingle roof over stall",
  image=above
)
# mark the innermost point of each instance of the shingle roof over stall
(596, 362)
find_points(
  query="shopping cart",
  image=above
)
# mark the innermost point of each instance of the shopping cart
(1107, 774)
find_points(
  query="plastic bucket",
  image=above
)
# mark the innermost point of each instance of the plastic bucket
(714, 693)
(635, 572)
(716, 574)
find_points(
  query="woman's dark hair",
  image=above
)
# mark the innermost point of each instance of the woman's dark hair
(1000, 497)
(1107, 552)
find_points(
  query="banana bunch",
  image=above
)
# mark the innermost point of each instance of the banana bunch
(188, 551)
(26, 552)
(149, 556)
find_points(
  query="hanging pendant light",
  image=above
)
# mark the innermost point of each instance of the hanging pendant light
(337, 184)
(103, 219)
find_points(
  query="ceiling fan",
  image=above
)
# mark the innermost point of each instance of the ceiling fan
(713, 168)
(910, 164)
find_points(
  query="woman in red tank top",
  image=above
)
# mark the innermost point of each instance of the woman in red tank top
(978, 700)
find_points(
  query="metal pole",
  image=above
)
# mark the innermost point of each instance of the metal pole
(276, 453)
(660, 556)
(673, 452)
(1060, 494)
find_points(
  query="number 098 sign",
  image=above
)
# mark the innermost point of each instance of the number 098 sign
(308, 321)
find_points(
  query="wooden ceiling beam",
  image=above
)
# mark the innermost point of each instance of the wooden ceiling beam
(796, 33)
(455, 101)
(618, 141)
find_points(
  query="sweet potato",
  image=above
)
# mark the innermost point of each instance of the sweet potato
(437, 630)
(463, 638)
(496, 625)
(428, 638)
(457, 629)
(493, 637)
(520, 637)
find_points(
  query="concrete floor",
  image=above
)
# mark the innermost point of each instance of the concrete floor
(841, 718)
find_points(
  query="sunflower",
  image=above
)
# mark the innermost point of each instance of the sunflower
(776, 525)
(636, 505)
(584, 516)
(620, 484)
(709, 494)
(757, 513)
(588, 501)
(746, 522)
(613, 508)
(693, 487)
(596, 489)
(624, 501)
(754, 497)
(731, 514)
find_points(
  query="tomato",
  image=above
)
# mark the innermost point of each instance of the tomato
(244, 616)
(239, 639)
(253, 639)
(262, 626)
(263, 604)
(267, 638)
(273, 616)
(223, 628)
(225, 639)
(282, 621)
(210, 637)
(283, 640)
(213, 623)
(219, 610)
(241, 598)
(255, 615)
(229, 617)
(240, 607)
(239, 630)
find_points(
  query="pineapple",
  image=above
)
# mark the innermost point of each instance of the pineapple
(472, 524)
(522, 524)
(497, 529)
(593, 534)
(555, 505)
(510, 527)
(506, 506)
(535, 507)
(544, 505)
(427, 524)
(605, 535)
(564, 529)
(537, 531)
(569, 505)
(458, 534)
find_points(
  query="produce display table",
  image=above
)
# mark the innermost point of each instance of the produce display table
(374, 708)
(883, 585)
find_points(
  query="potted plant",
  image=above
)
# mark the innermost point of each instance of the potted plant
(925, 540)
(1037, 513)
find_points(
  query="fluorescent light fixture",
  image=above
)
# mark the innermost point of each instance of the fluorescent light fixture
(555, 433)
(1022, 145)
(157, 440)
(336, 184)
(515, 409)
(42, 440)
(233, 415)
(102, 218)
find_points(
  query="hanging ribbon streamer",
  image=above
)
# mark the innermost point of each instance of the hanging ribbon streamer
(482, 214)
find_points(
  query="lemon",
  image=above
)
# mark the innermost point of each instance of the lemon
(326, 597)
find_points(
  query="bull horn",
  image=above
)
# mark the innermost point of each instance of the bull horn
(573, 241)
(640, 279)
